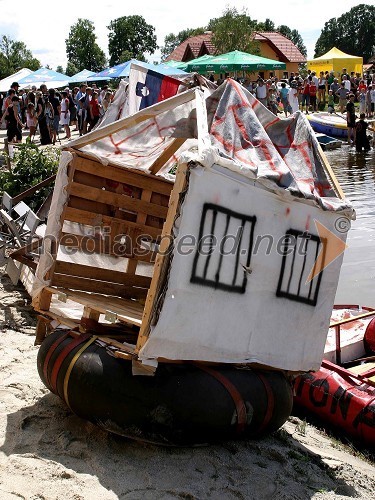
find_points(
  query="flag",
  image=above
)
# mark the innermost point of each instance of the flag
(147, 87)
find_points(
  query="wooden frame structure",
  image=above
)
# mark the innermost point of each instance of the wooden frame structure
(115, 212)
(119, 213)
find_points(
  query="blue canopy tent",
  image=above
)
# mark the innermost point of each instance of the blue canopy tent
(84, 76)
(45, 76)
(122, 70)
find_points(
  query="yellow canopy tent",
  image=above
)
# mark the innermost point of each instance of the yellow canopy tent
(335, 60)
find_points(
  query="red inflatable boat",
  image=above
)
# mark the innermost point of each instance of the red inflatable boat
(342, 392)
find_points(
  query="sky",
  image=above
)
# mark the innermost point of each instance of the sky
(44, 27)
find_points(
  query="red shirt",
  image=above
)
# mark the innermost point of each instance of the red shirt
(312, 89)
(94, 105)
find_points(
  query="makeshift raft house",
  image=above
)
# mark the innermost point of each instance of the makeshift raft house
(177, 232)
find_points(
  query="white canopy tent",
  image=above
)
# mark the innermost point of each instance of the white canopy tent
(7, 82)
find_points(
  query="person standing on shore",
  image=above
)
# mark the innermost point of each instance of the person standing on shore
(284, 98)
(261, 92)
(313, 90)
(306, 95)
(14, 124)
(45, 137)
(31, 120)
(65, 114)
(342, 94)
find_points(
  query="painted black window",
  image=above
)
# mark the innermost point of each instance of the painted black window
(223, 255)
(300, 252)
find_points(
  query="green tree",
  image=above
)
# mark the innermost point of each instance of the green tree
(71, 69)
(294, 36)
(60, 69)
(268, 25)
(172, 41)
(353, 32)
(233, 31)
(81, 47)
(14, 56)
(131, 34)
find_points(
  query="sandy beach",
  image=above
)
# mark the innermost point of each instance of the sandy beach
(48, 453)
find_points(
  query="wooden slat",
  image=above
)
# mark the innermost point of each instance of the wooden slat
(95, 286)
(164, 157)
(137, 179)
(133, 120)
(117, 200)
(141, 219)
(43, 300)
(334, 182)
(93, 219)
(126, 310)
(96, 273)
(352, 318)
(158, 268)
(96, 246)
(33, 189)
(89, 205)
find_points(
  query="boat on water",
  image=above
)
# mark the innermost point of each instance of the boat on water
(178, 322)
(327, 143)
(331, 124)
(342, 391)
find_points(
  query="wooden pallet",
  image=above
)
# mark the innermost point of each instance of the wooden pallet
(111, 213)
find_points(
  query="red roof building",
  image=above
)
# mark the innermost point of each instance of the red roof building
(272, 45)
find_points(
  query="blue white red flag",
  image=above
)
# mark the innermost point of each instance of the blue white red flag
(147, 87)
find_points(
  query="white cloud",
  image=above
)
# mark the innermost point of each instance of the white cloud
(44, 27)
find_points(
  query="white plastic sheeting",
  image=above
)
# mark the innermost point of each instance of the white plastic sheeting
(245, 306)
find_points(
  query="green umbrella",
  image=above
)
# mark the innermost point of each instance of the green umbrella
(194, 65)
(176, 64)
(235, 61)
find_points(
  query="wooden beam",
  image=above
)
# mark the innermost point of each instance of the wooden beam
(33, 189)
(43, 300)
(96, 286)
(331, 175)
(117, 200)
(138, 179)
(133, 120)
(96, 273)
(166, 155)
(156, 283)
(129, 311)
(94, 219)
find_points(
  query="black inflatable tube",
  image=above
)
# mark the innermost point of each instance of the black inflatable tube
(180, 404)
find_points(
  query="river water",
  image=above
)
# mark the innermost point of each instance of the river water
(356, 174)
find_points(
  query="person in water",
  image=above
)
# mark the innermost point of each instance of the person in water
(361, 141)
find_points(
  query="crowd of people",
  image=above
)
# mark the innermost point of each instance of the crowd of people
(83, 106)
(314, 93)
(49, 110)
